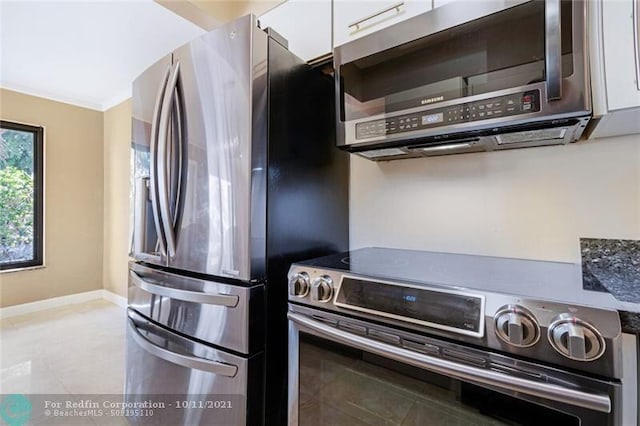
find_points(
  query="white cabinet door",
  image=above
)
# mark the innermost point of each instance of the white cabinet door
(438, 3)
(615, 66)
(306, 24)
(355, 18)
(621, 55)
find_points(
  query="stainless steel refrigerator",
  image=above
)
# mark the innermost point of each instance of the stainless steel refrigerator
(235, 176)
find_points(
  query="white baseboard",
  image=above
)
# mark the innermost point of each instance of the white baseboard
(56, 302)
(116, 299)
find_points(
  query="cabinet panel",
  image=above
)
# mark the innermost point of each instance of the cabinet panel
(615, 67)
(438, 3)
(621, 62)
(353, 19)
(306, 24)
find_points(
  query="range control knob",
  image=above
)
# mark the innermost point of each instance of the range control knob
(322, 289)
(299, 284)
(516, 326)
(576, 339)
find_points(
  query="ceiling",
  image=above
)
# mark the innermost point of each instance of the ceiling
(85, 53)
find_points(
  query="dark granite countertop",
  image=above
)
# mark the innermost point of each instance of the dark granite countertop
(630, 322)
(613, 266)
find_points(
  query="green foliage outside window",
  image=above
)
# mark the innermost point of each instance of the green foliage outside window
(16, 209)
(16, 150)
(17, 196)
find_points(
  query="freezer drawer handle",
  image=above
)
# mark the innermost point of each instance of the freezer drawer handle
(219, 368)
(497, 380)
(228, 300)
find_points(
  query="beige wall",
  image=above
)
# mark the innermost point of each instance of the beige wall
(117, 145)
(73, 200)
(529, 203)
(257, 7)
(208, 14)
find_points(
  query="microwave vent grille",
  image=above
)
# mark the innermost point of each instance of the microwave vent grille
(385, 152)
(531, 135)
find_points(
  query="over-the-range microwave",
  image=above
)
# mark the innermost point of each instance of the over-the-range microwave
(464, 77)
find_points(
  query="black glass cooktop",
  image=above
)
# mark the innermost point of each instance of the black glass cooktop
(532, 278)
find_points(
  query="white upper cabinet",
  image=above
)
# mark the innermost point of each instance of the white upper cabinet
(615, 66)
(355, 18)
(438, 3)
(306, 24)
(621, 62)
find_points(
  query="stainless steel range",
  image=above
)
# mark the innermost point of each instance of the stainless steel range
(434, 338)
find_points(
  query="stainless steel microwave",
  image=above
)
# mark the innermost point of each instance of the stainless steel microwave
(465, 77)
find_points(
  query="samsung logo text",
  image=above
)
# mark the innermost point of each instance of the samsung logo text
(431, 100)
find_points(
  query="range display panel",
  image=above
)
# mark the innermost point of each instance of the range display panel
(448, 310)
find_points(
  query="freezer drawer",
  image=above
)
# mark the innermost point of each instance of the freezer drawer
(222, 314)
(164, 366)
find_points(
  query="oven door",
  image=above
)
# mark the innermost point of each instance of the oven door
(341, 375)
(464, 67)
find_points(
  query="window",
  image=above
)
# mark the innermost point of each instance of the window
(21, 195)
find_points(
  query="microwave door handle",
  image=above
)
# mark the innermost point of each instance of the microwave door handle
(218, 368)
(495, 379)
(163, 187)
(218, 299)
(553, 49)
(162, 90)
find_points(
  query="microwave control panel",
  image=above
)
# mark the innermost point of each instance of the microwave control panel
(502, 106)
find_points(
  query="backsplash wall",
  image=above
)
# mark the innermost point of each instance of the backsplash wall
(530, 203)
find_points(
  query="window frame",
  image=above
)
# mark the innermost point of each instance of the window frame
(38, 196)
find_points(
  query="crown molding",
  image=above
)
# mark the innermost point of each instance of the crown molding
(57, 97)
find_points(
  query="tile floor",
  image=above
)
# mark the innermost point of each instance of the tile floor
(76, 349)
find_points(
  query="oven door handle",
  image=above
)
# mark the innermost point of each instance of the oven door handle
(601, 403)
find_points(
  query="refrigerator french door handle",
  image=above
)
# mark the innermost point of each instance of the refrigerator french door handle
(553, 49)
(636, 38)
(228, 300)
(140, 215)
(218, 368)
(154, 159)
(548, 391)
(180, 152)
(163, 190)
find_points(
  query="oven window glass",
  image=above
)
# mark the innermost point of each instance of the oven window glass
(496, 52)
(343, 386)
